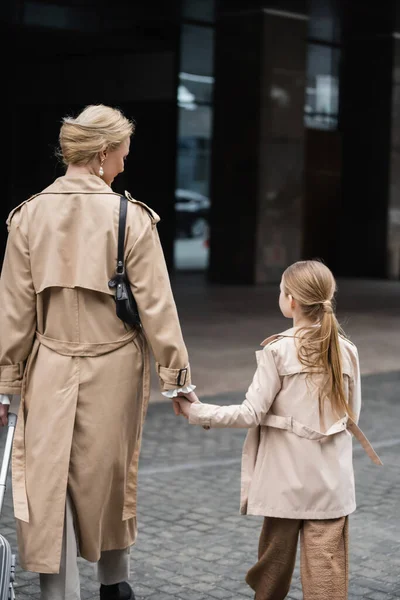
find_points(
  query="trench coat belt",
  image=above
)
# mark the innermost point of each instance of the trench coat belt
(83, 348)
(21, 509)
(290, 424)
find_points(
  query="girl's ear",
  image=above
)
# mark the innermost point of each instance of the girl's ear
(292, 302)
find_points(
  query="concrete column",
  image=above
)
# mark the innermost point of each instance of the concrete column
(366, 122)
(258, 150)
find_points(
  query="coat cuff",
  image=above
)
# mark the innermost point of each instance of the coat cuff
(11, 378)
(172, 379)
(199, 414)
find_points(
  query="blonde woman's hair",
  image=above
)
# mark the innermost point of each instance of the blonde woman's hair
(96, 128)
(313, 286)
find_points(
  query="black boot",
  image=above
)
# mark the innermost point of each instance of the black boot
(118, 591)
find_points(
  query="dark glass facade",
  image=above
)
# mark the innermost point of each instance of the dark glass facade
(256, 148)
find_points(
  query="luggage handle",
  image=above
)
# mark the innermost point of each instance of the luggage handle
(12, 421)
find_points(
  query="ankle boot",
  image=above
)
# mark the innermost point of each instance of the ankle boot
(118, 591)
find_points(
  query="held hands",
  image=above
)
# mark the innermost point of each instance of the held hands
(190, 397)
(183, 403)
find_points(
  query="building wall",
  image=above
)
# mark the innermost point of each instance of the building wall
(337, 156)
(65, 61)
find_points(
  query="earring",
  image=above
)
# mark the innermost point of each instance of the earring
(101, 170)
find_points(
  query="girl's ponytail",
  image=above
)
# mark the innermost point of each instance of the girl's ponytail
(332, 362)
(312, 285)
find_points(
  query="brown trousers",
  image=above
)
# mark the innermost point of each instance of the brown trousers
(323, 559)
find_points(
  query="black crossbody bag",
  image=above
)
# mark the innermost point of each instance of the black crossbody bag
(125, 302)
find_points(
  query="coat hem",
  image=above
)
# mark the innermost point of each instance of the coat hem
(46, 569)
(38, 568)
(314, 515)
(259, 511)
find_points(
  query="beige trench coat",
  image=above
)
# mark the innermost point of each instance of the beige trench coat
(83, 376)
(292, 466)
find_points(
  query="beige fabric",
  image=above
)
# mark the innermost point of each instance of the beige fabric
(290, 424)
(113, 566)
(64, 585)
(83, 377)
(284, 474)
(323, 559)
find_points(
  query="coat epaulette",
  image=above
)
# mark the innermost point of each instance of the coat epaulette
(153, 215)
(271, 339)
(14, 210)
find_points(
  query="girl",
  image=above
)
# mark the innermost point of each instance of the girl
(297, 468)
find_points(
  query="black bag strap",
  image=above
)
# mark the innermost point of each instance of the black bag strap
(123, 209)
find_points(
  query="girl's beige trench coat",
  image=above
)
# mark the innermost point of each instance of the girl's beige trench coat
(82, 375)
(294, 465)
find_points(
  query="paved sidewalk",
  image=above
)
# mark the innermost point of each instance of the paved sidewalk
(193, 544)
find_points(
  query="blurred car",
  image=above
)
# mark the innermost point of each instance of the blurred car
(192, 214)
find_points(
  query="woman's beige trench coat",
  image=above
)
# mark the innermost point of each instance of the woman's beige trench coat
(294, 466)
(83, 376)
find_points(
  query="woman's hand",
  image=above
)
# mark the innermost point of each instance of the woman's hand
(4, 408)
(190, 396)
(185, 405)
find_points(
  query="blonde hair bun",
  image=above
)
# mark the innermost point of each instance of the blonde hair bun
(96, 128)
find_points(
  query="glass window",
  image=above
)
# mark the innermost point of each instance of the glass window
(192, 196)
(322, 89)
(199, 10)
(324, 23)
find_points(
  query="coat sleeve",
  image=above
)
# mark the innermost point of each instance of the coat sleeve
(259, 398)
(17, 306)
(148, 276)
(355, 387)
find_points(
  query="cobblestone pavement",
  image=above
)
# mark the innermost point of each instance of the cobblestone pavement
(193, 544)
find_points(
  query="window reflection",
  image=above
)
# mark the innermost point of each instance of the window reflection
(324, 52)
(194, 97)
(322, 90)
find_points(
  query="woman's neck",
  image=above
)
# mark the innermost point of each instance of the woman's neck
(78, 170)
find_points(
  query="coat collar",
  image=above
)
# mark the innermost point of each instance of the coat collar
(84, 184)
(271, 338)
(87, 184)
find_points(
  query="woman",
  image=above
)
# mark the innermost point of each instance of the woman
(83, 375)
